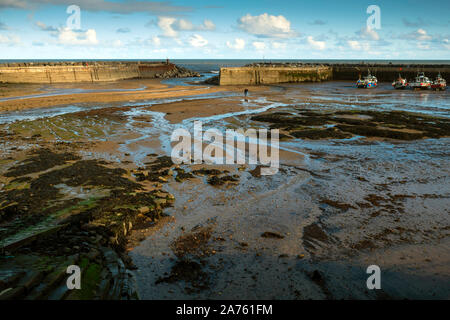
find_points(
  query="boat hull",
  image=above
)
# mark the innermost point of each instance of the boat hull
(438, 86)
(400, 86)
(420, 86)
(366, 85)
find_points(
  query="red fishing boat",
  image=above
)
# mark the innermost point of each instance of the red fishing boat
(439, 83)
(400, 83)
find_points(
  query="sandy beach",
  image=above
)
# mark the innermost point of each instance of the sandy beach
(136, 90)
(363, 180)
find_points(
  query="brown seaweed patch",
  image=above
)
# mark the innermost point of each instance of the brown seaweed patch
(364, 245)
(399, 125)
(368, 131)
(208, 172)
(337, 204)
(219, 181)
(41, 198)
(156, 171)
(160, 163)
(182, 175)
(42, 160)
(316, 134)
(291, 121)
(194, 243)
(313, 233)
(374, 199)
(271, 235)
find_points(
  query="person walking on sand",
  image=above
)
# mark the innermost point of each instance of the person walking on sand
(245, 92)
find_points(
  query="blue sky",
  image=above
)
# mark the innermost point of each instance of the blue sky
(218, 29)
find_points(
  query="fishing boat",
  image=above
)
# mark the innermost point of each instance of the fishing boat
(368, 81)
(439, 83)
(400, 83)
(420, 82)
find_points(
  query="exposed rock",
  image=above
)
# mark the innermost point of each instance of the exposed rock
(272, 235)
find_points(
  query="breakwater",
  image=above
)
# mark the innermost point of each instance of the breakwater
(59, 72)
(388, 72)
(267, 73)
(254, 75)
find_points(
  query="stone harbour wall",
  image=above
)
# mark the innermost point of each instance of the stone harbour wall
(87, 71)
(268, 75)
(389, 72)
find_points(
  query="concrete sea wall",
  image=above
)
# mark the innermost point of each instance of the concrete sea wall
(283, 73)
(80, 72)
(389, 72)
(266, 75)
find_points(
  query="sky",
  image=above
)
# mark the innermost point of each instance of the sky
(219, 29)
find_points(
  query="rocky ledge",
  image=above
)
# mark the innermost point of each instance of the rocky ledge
(178, 72)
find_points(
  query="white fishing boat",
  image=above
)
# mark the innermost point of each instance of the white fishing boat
(421, 82)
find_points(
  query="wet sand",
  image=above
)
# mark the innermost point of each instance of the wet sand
(126, 90)
(337, 205)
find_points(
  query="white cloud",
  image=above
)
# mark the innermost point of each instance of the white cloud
(369, 33)
(156, 41)
(209, 25)
(446, 44)
(357, 45)
(170, 26)
(278, 45)
(259, 45)
(9, 40)
(184, 25)
(354, 44)
(117, 43)
(420, 35)
(238, 44)
(266, 25)
(197, 41)
(70, 37)
(318, 45)
(165, 24)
